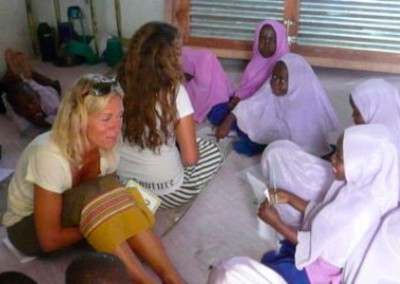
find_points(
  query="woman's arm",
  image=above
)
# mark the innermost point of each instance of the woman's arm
(185, 132)
(47, 216)
(269, 215)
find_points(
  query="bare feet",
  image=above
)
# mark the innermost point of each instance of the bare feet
(18, 63)
(24, 65)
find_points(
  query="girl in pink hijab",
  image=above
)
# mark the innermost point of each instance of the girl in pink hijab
(365, 189)
(205, 81)
(269, 45)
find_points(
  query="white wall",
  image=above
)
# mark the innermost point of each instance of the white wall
(14, 32)
(14, 29)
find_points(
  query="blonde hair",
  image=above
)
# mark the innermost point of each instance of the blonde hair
(89, 95)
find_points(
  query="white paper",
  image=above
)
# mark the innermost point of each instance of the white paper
(152, 201)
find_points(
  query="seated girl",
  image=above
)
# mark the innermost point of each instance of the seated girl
(366, 187)
(269, 44)
(376, 101)
(291, 105)
(373, 101)
(376, 260)
(205, 81)
(66, 177)
(160, 149)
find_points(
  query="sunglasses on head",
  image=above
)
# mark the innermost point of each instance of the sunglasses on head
(103, 86)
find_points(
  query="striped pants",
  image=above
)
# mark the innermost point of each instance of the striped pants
(196, 177)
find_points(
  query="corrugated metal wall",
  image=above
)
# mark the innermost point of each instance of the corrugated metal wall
(372, 25)
(231, 19)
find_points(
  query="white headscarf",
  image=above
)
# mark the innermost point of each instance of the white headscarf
(350, 209)
(378, 102)
(286, 165)
(304, 115)
(377, 261)
(243, 270)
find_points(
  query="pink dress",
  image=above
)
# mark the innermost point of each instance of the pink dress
(210, 85)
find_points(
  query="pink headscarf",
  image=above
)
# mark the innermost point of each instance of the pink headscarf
(209, 85)
(304, 115)
(333, 228)
(259, 69)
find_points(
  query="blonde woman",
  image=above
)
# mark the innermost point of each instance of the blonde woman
(66, 177)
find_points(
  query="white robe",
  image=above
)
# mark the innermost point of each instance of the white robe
(332, 228)
(304, 115)
(377, 261)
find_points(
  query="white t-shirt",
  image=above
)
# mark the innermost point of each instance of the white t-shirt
(160, 171)
(42, 163)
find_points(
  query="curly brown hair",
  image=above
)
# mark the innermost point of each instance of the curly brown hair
(150, 75)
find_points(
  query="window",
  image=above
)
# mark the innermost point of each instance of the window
(358, 34)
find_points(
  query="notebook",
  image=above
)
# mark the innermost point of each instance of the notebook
(152, 201)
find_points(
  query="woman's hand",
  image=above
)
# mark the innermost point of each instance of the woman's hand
(269, 214)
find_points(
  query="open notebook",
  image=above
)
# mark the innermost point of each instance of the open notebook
(152, 201)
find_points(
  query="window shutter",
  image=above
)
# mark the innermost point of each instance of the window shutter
(231, 19)
(369, 25)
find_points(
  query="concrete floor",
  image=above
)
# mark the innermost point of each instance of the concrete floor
(222, 221)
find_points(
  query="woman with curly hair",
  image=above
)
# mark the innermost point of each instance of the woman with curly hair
(160, 149)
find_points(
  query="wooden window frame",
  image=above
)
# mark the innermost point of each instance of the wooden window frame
(177, 12)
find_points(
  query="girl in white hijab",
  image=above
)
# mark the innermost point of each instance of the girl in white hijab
(365, 188)
(241, 270)
(376, 101)
(288, 166)
(377, 261)
(291, 105)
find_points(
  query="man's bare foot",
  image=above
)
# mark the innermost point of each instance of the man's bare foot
(23, 62)
(12, 66)
(18, 63)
